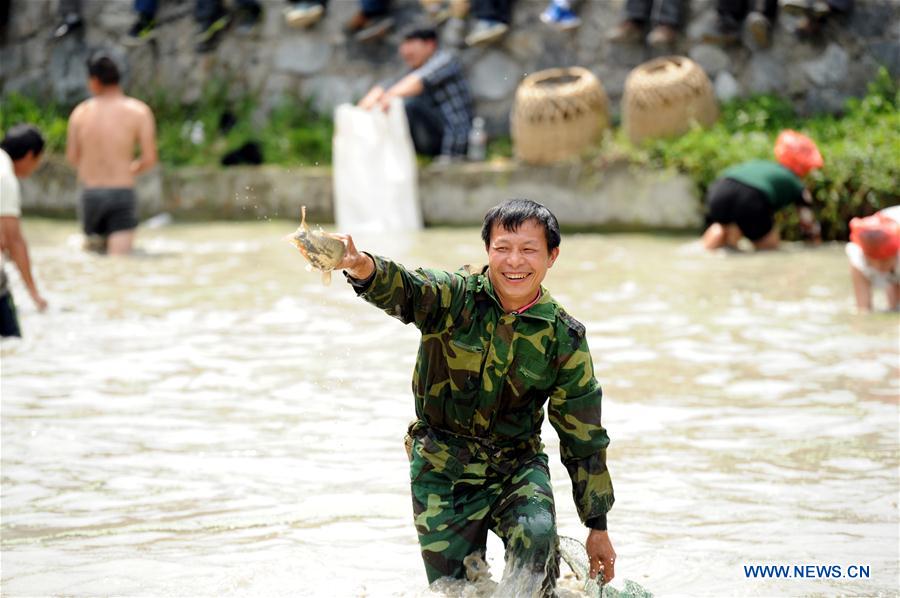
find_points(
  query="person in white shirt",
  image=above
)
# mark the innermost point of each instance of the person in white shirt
(874, 254)
(20, 155)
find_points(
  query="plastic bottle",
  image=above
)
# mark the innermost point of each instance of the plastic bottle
(477, 141)
(197, 133)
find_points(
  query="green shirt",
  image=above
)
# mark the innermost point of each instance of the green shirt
(781, 186)
(482, 375)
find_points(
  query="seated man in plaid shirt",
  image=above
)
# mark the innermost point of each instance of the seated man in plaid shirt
(435, 94)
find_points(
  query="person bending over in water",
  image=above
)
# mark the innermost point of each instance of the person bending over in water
(495, 347)
(743, 201)
(103, 132)
(873, 253)
(20, 155)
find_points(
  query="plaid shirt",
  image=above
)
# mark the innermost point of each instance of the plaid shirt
(445, 86)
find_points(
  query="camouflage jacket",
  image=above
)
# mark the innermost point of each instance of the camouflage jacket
(482, 376)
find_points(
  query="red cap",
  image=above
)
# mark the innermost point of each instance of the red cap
(878, 236)
(797, 152)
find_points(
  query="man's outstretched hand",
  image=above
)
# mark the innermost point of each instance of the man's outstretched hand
(39, 301)
(601, 555)
(357, 264)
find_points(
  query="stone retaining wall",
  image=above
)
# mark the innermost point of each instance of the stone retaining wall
(323, 64)
(326, 66)
(582, 196)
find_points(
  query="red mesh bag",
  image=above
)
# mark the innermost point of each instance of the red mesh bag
(878, 236)
(797, 152)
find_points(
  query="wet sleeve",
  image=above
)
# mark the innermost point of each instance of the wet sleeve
(421, 297)
(574, 411)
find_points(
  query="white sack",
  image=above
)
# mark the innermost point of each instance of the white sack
(374, 169)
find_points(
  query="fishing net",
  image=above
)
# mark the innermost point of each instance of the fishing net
(523, 581)
(575, 556)
(665, 96)
(557, 113)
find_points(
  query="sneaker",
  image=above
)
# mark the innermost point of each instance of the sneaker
(759, 27)
(440, 17)
(796, 7)
(142, 31)
(247, 18)
(208, 34)
(437, 12)
(821, 8)
(723, 32)
(365, 28)
(303, 14)
(485, 32)
(626, 32)
(559, 17)
(662, 36)
(70, 23)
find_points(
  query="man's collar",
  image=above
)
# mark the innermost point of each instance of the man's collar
(544, 309)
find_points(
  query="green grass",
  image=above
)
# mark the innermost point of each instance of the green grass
(293, 134)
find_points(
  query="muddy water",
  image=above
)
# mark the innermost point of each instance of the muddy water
(209, 420)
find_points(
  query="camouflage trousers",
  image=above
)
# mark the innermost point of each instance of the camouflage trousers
(455, 505)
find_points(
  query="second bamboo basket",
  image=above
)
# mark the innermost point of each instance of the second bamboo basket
(665, 96)
(557, 114)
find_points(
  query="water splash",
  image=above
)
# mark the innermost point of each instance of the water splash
(478, 582)
(522, 579)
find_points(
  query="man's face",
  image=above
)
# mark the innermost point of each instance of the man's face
(94, 86)
(27, 164)
(518, 262)
(415, 52)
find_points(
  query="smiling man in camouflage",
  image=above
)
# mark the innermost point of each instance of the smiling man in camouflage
(495, 347)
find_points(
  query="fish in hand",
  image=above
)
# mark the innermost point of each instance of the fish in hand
(321, 250)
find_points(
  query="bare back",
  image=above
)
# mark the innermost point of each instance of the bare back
(104, 133)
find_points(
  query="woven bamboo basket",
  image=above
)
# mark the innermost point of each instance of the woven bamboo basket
(665, 96)
(557, 113)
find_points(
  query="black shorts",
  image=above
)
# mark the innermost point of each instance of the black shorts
(108, 210)
(731, 202)
(9, 322)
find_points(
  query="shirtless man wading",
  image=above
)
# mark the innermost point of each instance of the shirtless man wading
(103, 132)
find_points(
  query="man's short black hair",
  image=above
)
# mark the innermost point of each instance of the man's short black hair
(104, 69)
(420, 31)
(21, 139)
(513, 212)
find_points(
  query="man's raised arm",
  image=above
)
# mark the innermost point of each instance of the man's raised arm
(419, 297)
